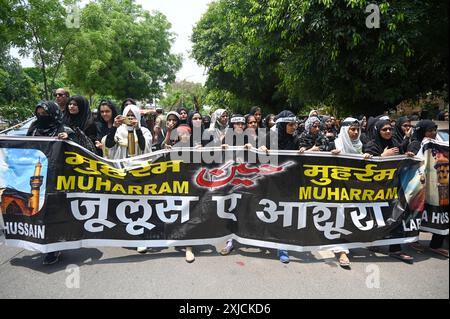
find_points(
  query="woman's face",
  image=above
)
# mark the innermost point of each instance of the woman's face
(224, 118)
(315, 128)
(328, 123)
(386, 132)
(73, 107)
(171, 121)
(431, 133)
(406, 126)
(183, 115)
(251, 122)
(238, 127)
(106, 113)
(41, 112)
(197, 120)
(353, 132)
(291, 127)
(258, 115)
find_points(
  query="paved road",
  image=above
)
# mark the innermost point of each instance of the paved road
(246, 273)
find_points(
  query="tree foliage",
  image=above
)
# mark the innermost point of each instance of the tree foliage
(121, 50)
(18, 95)
(321, 51)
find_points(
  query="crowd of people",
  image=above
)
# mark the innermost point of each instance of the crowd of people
(131, 131)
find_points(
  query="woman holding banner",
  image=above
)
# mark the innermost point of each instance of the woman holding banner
(348, 142)
(383, 144)
(49, 123)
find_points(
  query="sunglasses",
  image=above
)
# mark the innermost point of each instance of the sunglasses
(59, 94)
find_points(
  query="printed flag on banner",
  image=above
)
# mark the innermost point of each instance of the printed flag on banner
(434, 178)
(57, 195)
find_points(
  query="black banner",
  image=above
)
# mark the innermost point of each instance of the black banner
(56, 195)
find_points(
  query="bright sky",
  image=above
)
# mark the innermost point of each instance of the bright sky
(182, 14)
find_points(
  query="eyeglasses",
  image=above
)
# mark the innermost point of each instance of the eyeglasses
(59, 94)
(386, 129)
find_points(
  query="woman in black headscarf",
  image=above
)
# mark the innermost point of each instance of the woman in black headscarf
(423, 129)
(195, 122)
(78, 116)
(107, 112)
(286, 125)
(49, 123)
(384, 145)
(48, 120)
(402, 133)
(183, 112)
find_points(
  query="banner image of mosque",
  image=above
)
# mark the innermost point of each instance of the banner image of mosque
(23, 175)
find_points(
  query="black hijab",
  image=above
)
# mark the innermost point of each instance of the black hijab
(194, 136)
(182, 108)
(285, 141)
(378, 144)
(83, 118)
(398, 133)
(421, 128)
(47, 125)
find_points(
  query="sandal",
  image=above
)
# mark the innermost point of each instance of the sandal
(403, 257)
(344, 261)
(440, 251)
(226, 250)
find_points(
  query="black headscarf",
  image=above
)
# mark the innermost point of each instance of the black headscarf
(421, 128)
(398, 133)
(206, 121)
(285, 141)
(194, 137)
(182, 108)
(378, 144)
(267, 119)
(83, 118)
(48, 125)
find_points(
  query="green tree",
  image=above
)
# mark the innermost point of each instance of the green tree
(38, 28)
(122, 51)
(321, 51)
(18, 95)
(183, 93)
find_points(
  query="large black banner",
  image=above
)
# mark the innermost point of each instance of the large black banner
(56, 195)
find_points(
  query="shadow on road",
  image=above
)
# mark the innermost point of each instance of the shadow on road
(79, 257)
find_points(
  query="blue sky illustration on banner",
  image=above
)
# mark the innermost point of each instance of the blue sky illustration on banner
(17, 166)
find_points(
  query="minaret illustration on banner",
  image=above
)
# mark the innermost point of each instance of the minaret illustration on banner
(35, 183)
